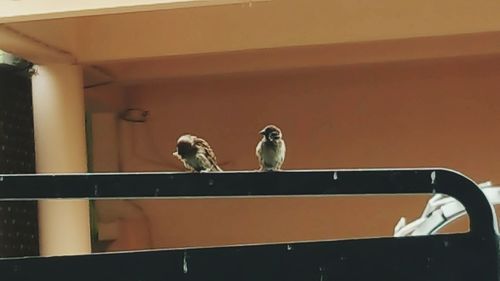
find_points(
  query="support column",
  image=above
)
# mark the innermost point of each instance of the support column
(60, 147)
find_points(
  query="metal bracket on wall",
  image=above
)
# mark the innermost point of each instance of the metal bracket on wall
(464, 256)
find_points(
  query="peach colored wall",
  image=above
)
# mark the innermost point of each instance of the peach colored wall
(105, 154)
(411, 114)
(433, 113)
(190, 223)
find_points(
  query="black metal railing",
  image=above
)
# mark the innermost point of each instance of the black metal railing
(464, 256)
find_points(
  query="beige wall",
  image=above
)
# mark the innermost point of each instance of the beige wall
(412, 114)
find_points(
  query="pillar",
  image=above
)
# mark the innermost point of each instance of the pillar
(60, 147)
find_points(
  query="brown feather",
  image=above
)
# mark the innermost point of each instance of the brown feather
(209, 153)
(271, 149)
(196, 154)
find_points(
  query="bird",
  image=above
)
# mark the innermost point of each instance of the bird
(196, 154)
(271, 149)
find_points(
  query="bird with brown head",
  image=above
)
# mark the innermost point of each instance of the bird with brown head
(271, 149)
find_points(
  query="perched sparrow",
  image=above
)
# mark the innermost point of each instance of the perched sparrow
(271, 149)
(196, 154)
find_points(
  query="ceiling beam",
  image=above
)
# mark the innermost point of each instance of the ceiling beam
(314, 56)
(30, 48)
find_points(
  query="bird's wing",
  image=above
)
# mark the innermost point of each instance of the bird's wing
(281, 155)
(283, 150)
(206, 147)
(208, 152)
(258, 152)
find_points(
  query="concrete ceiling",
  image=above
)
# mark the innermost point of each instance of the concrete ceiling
(133, 46)
(304, 57)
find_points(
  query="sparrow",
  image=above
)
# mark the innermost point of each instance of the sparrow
(271, 149)
(196, 154)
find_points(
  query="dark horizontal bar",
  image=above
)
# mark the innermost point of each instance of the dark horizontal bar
(325, 182)
(230, 184)
(456, 257)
